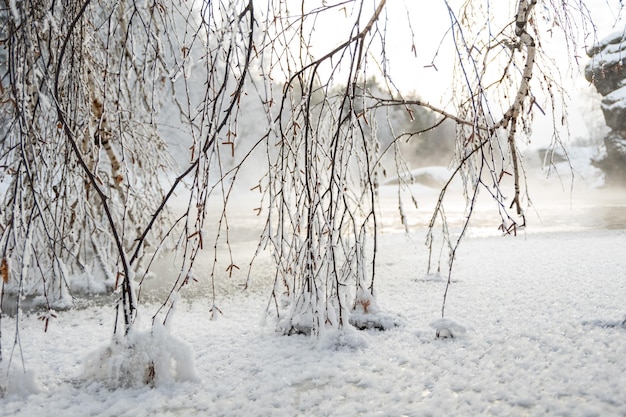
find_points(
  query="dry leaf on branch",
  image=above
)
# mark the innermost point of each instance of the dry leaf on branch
(4, 270)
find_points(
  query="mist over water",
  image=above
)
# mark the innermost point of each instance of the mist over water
(568, 196)
(556, 207)
(603, 208)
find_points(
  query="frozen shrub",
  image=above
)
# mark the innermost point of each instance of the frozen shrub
(152, 357)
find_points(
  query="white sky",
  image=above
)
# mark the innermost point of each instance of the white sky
(430, 28)
(411, 69)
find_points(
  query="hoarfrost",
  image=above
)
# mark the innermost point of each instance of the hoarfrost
(153, 357)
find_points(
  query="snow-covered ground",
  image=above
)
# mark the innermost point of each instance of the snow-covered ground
(539, 318)
(542, 314)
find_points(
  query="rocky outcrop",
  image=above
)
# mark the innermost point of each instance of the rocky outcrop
(607, 71)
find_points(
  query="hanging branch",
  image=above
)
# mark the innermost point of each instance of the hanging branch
(320, 142)
(511, 116)
(128, 301)
(220, 109)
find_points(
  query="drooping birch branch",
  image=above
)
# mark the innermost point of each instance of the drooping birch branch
(511, 116)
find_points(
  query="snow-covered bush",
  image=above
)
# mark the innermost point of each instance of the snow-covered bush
(367, 315)
(150, 357)
(19, 382)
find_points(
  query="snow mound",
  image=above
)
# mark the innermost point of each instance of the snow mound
(88, 284)
(301, 323)
(378, 321)
(153, 357)
(447, 329)
(345, 338)
(20, 383)
(367, 315)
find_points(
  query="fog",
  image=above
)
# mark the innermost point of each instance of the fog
(566, 197)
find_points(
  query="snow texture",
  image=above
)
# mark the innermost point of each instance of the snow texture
(614, 108)
(446, 328)
(543, 336)
(152, 357)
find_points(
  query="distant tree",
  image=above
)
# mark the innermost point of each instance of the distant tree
(89, 88)
(423, 137)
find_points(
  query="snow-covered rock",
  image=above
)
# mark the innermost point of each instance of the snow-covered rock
(607, 67)
(614, 108)
(607, 71)
(613, 162)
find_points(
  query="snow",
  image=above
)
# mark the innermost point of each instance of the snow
(446, 328)
(536, 321)
(434, 176)
(615, 101)
(610, 48)
(150, 357)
